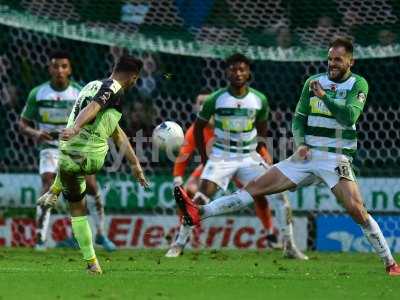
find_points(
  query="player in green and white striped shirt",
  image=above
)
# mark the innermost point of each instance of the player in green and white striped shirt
(325, 137)
(240, 114)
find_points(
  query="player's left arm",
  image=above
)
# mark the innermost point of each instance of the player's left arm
(121, 140)
(346, 113)
(262, 130)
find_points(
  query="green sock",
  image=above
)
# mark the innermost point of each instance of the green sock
(83, 234)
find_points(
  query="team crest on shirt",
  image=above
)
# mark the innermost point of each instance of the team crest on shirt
(341, 94)
(333, 87)
(361, 97)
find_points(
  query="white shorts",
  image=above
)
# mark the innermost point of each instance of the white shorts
(244, 168)
(322, 166)
(48, 162)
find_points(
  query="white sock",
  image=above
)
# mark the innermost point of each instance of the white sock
(374, 235)
(183, 235)
(43, 221)
(227, 204)
(96, 209)
(283, 215)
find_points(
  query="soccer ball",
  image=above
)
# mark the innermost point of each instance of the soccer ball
(168, 136)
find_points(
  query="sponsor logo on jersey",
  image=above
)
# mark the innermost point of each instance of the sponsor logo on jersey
(318, 107)
(361, 97)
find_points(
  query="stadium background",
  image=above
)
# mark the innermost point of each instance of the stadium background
(183, 44)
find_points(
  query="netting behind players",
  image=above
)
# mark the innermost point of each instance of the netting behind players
(170, 84)
(173, 75)
(283, 30)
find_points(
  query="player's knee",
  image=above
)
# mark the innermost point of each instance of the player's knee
(74, 197)
(78, 208)
(255, 190)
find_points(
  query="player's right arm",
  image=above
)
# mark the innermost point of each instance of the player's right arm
(85, 116)
(346, 113)
(102, 99)
(204, 116)
(299, 122)
(262, 129)
(28, 116)
(121, 140)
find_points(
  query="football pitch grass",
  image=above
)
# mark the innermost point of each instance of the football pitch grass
(144, 274)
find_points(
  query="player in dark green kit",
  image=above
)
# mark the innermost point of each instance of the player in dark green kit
(84, 146)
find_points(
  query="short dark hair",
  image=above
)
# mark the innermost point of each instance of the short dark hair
(60, 54)
(128, 63)
(344, 42)
(237, 58)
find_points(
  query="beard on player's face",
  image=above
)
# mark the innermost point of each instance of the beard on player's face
(337, 73)
(339, 63)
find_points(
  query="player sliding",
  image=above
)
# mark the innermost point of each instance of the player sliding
(325, 138)
(83, 148)
(240, 113)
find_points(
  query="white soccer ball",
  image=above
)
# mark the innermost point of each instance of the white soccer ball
(168, 136)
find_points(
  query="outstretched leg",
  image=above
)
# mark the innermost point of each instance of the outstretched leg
(272, 182)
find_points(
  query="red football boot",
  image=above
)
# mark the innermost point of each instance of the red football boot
(393, 270)
(188, 209)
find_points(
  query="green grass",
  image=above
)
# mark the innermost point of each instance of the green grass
(129, 274)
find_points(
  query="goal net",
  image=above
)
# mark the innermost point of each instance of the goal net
(183, 44)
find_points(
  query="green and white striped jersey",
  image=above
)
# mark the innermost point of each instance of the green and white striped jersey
(235, 119)
(50, 108)
(323, 131)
